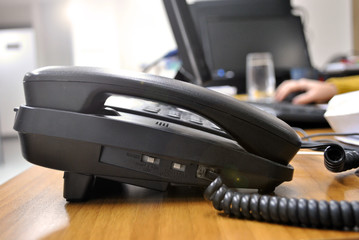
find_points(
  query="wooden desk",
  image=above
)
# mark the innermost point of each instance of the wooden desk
(32, 207)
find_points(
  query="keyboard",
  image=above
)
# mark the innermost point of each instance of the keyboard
(295, 115)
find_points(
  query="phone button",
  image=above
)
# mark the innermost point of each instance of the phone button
(152, 109)
(174, 114)
(195, 119)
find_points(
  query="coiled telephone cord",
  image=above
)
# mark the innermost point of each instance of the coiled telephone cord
(341, 215)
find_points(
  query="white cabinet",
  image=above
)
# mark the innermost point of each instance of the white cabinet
(17, 56)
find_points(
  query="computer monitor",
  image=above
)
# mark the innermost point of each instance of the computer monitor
(227, 41)
(194, 68)
(230, 30)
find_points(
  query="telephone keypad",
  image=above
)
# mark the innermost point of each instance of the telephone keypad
(163, 111)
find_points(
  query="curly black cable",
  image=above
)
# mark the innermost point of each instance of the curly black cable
(337, 159)
(341, 215)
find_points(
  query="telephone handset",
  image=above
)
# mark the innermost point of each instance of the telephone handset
(177, 133)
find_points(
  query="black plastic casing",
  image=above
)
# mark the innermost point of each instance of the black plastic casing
(61, 127)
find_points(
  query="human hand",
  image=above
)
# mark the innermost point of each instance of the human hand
(314, 91)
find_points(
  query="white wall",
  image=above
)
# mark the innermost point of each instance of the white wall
(121, 34)
(146, 33)
(328, 28)
(53, 33)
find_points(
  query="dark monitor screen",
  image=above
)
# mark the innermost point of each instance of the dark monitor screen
(227, 41)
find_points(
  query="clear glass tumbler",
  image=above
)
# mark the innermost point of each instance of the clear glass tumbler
(260, 77)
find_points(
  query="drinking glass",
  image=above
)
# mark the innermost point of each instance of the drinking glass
(260, 77)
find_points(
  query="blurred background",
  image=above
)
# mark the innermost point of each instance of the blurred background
(124, 34)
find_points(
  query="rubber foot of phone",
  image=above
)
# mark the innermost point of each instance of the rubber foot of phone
(77, 187)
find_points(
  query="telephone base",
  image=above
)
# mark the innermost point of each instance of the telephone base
(136, 150)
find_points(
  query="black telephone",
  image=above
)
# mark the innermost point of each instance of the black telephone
(164, 131)
(176, 132)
